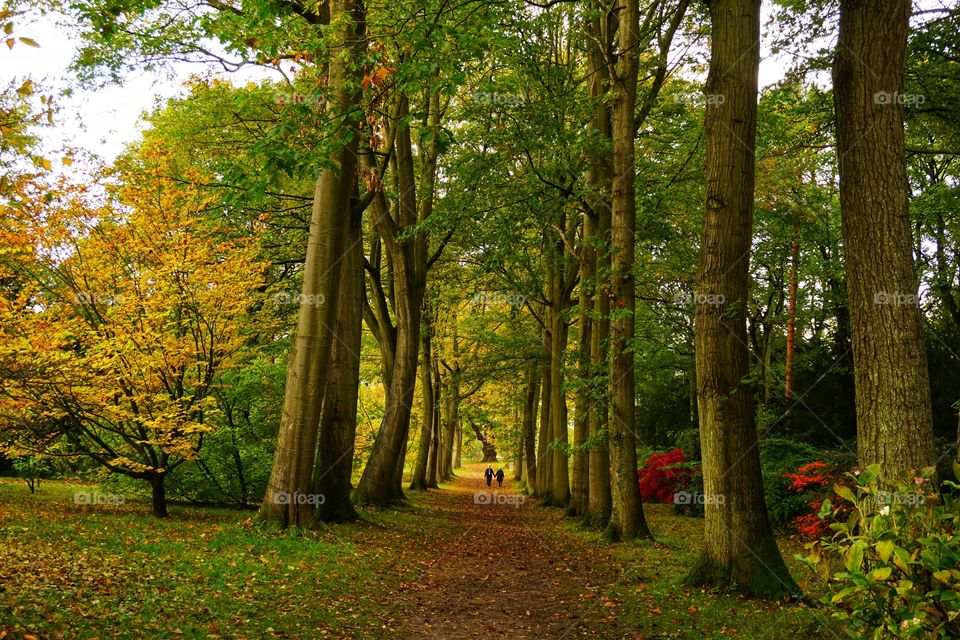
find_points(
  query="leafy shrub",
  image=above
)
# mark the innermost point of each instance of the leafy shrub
(813, 482)
(662, 475)
(33, 469)
(899, 557)
(779, 457)
(693, 487)
(688, 441)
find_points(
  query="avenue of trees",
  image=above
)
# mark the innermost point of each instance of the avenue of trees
(563, 235)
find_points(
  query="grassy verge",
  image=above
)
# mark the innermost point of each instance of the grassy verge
(648, 595)
(82, 572)
(95, 572)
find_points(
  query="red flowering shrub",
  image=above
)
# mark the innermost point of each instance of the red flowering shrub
(813, 480)
(662, 475)
(813, 475)
(811, 526)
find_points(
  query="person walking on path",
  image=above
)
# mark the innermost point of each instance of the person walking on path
(488, 474)
(500, 478)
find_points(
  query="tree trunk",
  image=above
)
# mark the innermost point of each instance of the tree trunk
(600, 38)
(451, 458)
(894, 423)
(581, 419)
(458, 449)
(159, 494)
(560, 477)
(379, 483)
(739, 550)
(518, 430)
(530, 406)
(629, 521)
(791, 316)
(436, 441)
(543, 466)
(307, 368)
(419, 481)
(338, 426)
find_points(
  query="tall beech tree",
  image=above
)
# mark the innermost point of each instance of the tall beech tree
(406, 249)
(310, 354)
(894, 421)
(601, 28)
(338, 423)
(660, 23)
(739, 549)
(627, 521)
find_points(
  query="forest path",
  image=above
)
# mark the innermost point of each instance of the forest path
(504, 567)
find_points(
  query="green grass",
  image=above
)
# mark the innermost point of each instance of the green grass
(76, 571)
(82, 572)
(651, 597)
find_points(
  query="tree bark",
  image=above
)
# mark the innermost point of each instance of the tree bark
(560, 476)
(419, 481)
(791, 316)
(577, 506)
(158, 492)
(628, 521)
(543, 466)
(601, 30)
(338, 426)
(894, 422)
(451, 453)
(379, 483)
(436, 441)
(307, 368)
(739, 550)
(458, 449)
(530, 406)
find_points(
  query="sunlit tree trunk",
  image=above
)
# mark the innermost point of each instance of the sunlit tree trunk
(420, 472)
(894, 423)
(739, 550)
(307, 368)
(338, 425)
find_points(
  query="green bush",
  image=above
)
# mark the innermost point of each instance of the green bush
(33, 469)
(688, 441)
(898, 556)
(779, 456)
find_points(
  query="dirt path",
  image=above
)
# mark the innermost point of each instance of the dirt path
(506, 570)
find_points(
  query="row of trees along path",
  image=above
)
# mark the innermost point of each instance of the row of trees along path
(503, 570)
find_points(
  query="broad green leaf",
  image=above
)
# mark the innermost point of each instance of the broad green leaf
(854, 559)
(844, 492)
(880, 573)
(885, 549)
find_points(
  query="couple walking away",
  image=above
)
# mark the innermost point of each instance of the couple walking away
(489, 475)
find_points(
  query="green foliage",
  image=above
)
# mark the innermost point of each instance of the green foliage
(235, 462)
(894, 563)
(779, 456)
(33, 469)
